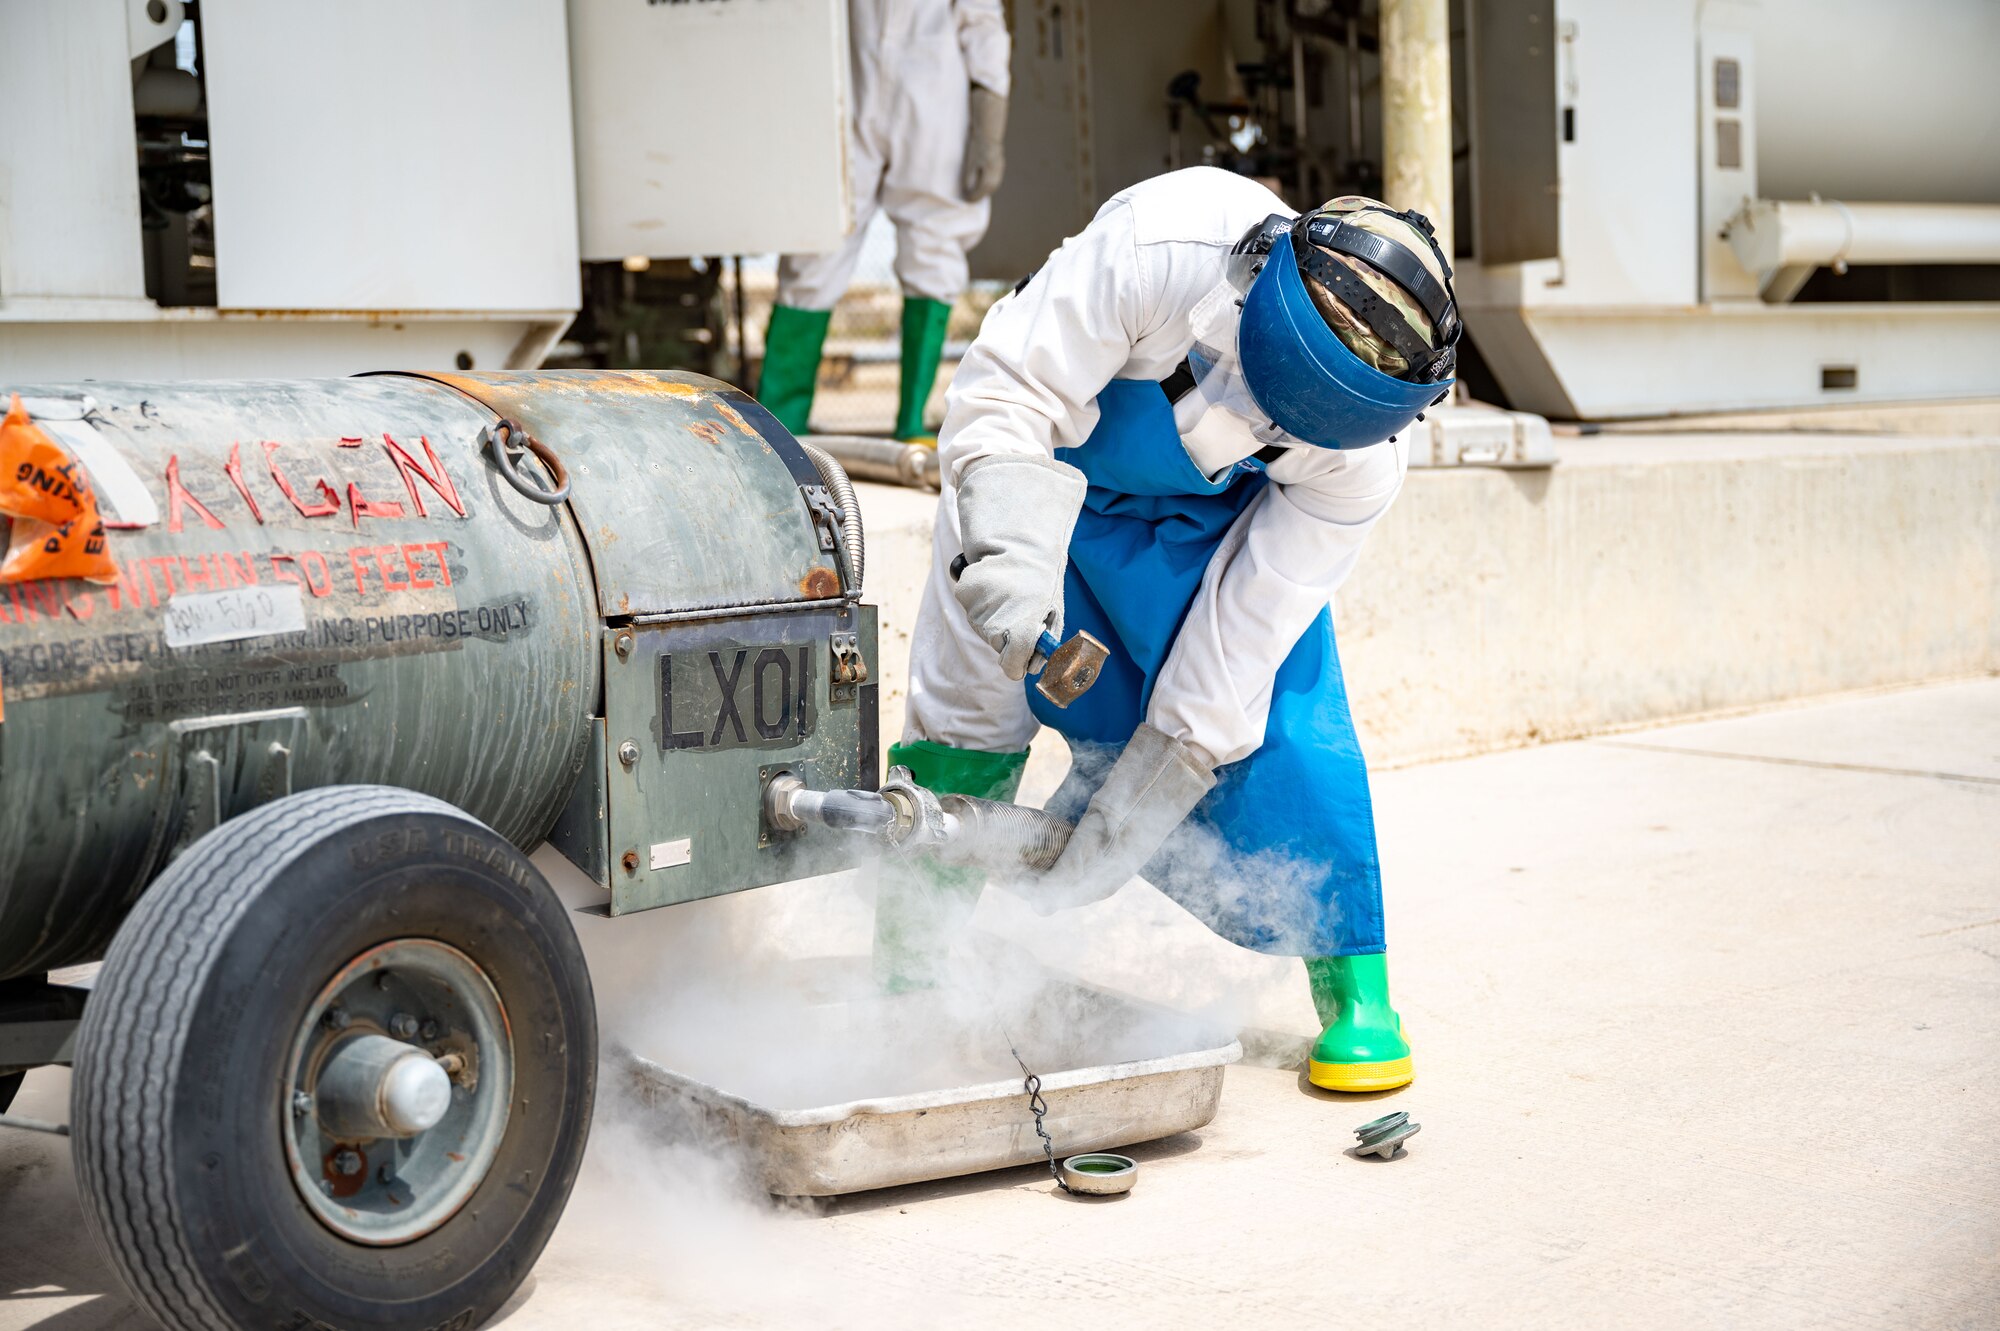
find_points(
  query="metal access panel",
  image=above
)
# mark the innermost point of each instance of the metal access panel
(710, 128)
(383, 155)
(69, 197)
(1087, 116)
(1516, 124)
(711, 709)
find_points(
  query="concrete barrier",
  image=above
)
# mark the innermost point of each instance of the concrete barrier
(1642, 580)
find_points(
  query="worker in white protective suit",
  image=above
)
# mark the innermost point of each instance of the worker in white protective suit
(1176, 435)
(930, 112)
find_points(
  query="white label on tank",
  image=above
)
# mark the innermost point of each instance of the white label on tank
(126, 501)
(673, 854)
(194, 618)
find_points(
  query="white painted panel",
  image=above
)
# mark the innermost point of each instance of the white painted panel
(391, 155)
(710, 128)
(1861, 101)
(1748, 356)
(69, 175)
(1629, 181)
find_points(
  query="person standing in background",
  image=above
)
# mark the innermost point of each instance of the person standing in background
(930, 86)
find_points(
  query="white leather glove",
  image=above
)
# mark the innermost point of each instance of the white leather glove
(985, 160)
(1015, 516)
(1151, 790)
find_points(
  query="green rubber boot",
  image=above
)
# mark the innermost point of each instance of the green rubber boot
(791, 364)
(921, 906)
(1362, 1047)
(924, 322)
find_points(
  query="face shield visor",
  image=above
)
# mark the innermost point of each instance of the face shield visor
(1302, 377)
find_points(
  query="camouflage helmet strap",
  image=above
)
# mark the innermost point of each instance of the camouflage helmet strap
(1329, 231)
(1321, 232)
(1382, 318)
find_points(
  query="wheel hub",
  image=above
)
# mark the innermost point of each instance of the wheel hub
(401, 1078)
(375, 1086)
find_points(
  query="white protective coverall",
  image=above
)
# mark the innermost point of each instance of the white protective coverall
(914, 64)
(1114, 302)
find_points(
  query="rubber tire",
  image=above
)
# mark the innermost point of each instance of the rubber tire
(184, 1046)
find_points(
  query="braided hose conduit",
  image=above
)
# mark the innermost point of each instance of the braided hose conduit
(990, 830)
(849, 504)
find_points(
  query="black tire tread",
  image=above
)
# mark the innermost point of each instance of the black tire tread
(139, 1019)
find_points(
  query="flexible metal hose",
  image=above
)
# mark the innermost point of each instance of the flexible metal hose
(836, 480)
(991, 830)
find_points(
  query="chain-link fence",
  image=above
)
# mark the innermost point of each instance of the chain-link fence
(858, 372)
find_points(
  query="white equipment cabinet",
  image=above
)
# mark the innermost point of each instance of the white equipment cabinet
(710, 128)
(393, 181)
(384, 155)
(1684, 122)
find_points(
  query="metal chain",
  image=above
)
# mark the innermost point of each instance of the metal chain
(1039, 1107)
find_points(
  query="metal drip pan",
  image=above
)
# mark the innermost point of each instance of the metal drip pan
(1115, 1072)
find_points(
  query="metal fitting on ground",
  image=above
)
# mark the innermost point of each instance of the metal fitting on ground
(1384, 1136)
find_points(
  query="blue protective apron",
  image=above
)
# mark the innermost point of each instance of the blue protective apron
(1280, 856)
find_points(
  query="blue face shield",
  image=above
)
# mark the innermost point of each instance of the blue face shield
(1304, 377)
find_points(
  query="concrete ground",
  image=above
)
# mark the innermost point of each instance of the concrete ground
(1707, 1028)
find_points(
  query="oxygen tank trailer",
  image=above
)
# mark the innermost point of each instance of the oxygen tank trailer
(368, 642)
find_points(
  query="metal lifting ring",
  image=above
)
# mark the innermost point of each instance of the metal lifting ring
(507, 436)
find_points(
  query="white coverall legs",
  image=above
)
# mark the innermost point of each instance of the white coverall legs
(914, 64)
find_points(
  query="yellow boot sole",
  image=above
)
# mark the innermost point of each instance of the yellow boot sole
(1360, 1076)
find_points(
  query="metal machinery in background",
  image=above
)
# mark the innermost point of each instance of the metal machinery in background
(322, 189)
(1672, 207)
(370, 641)
(1680, 206)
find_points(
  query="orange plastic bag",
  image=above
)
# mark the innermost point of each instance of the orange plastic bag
(38, 477)
(57, 531)
(75, 549)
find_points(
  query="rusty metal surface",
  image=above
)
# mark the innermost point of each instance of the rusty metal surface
(432, 629)
(686, 490)
(1072, 669)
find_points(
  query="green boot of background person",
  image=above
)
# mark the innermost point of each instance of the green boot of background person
(791, 364)
(1362, 1047)
(924, 322)
(921, 905)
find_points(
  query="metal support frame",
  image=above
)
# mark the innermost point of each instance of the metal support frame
(38, 1022)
